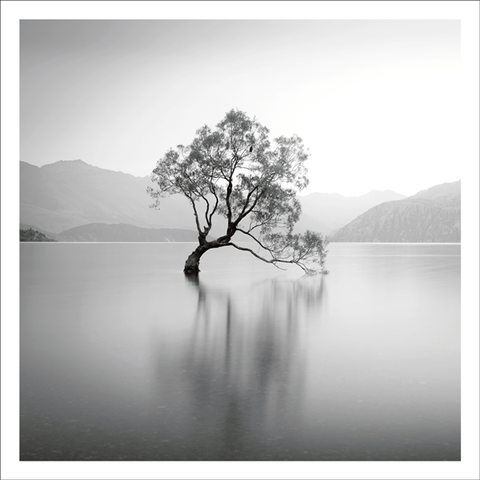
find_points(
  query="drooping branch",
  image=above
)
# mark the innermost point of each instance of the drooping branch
(245, 249)
(274, 261)
(302, 250)
(255, 239)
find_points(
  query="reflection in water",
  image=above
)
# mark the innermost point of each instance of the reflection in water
(122, 358)
(243, 366)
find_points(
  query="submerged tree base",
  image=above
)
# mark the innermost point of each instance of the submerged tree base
(192, 264)
(191, 270)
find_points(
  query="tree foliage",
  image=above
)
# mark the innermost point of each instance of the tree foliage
(234, 171)
(31, 235)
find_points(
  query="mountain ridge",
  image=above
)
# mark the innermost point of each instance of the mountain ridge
(68, 194)
(71, 193)
(337, 210)
(431, 215)
(120, 232)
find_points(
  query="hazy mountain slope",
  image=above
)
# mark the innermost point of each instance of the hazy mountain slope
(431, 215)
(308, 222)
(67, 194)
(101, 232)
(447, 194)
(333, 211)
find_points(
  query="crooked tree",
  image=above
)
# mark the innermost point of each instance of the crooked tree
(235, 172)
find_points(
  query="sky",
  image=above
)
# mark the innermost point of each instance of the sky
(376, 102)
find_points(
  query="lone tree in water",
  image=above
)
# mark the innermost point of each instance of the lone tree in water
(235, 172)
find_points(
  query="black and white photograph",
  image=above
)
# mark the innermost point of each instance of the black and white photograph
(244, 240)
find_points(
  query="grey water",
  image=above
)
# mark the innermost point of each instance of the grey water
(124, 358)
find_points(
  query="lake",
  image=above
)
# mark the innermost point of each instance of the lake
(124, 358)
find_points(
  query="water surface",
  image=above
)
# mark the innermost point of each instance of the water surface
(123, 358)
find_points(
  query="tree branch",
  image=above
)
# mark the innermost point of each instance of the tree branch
(273, 261)
(245, 249)
(212, 189)
(256, 240)
(195, 213)
(247, 201)
(245, 211)
(227, 201)
(209, 224)
(261, 224)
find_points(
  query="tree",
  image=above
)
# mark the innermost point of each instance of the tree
(31, 235)
(234, 172)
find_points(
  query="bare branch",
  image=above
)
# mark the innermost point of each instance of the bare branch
(245, 249)
(250, 209)
(195, 213)
(214, 209)
(256, 240)
(207, 218)
(273, 261)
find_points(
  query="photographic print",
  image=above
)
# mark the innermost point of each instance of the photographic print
(240, 240)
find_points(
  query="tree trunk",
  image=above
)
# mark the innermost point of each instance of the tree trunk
(192, 265)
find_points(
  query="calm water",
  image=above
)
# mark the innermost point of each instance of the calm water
(123, 358)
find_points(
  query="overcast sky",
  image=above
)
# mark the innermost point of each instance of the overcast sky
(375, 101)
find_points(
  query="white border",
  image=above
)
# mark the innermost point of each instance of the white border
(12, 12)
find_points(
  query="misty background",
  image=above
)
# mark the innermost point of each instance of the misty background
(376, 102)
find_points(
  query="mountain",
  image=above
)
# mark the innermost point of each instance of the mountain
(68, 194)
(326, 212)
(101, 232)
(432, 215)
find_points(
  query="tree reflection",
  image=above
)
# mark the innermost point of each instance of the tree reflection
(245, 361)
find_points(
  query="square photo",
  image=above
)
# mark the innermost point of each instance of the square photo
(240, 240)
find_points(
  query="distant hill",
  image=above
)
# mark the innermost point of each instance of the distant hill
(432, 215)
(67, 194)
(326, 212)
(101, 232)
